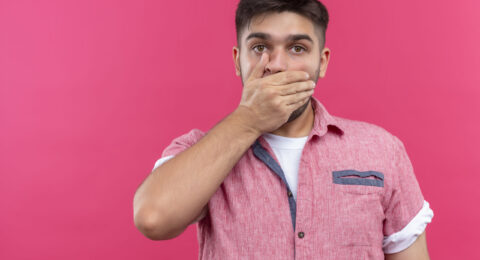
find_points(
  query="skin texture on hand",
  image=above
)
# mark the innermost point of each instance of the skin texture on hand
(273, 98)
(292, 43)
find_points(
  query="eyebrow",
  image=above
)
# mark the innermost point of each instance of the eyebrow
(290, 38)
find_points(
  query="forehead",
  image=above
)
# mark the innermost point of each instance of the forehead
(280, 25)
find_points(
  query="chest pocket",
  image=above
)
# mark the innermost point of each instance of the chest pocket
(356, 209)
(358, 182)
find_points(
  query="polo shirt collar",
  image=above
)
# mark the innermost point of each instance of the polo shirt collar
(322, 123)
(323, 120)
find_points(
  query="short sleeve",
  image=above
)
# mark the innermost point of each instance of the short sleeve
(405, 203)
(162, 160)
(179, 145)
(183, 142)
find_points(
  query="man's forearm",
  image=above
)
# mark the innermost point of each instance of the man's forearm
(176, 192)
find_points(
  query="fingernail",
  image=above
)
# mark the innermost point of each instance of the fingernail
(307, 76)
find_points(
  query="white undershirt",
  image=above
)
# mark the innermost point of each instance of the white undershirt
(288, 151)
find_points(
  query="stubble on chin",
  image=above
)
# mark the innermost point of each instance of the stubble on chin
(299, 111)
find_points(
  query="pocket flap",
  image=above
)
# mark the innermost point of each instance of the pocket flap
(339, 178)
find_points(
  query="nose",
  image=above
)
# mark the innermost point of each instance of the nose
(277, 63)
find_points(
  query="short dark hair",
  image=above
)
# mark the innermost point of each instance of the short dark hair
(311, 9)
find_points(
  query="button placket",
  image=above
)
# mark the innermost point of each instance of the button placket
(268, 158)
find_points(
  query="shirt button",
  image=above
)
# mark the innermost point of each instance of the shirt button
(290, 194)
(301, 234)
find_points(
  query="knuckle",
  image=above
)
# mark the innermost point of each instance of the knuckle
(276, 102)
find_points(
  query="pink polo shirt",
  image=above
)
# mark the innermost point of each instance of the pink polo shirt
(357, 197)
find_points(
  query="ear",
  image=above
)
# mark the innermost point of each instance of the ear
(324, 58)
(236, 59)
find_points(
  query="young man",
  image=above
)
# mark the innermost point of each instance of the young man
(279, 177)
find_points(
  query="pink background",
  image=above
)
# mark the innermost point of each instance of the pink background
(91, 92)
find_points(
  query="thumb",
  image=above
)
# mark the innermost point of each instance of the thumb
(258, 70)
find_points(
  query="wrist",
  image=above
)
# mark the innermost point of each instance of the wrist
(243, 116)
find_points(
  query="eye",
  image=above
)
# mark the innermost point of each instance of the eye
(298, 49)
(259, 48)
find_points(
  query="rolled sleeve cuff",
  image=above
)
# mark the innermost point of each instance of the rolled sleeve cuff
(162, 160)
(402, 239)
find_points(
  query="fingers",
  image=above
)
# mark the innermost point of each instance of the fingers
(258, 70)
(287, 77)
(294, 100)
(295, 87)
(281, 78)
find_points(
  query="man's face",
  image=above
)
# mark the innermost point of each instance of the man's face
(291, 42)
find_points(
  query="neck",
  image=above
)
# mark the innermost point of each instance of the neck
(300, 127)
